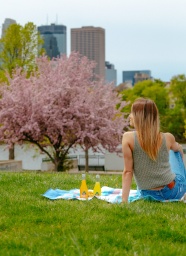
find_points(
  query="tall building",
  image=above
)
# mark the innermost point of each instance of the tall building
(6, 24)
(110, 73)
(55, 39)
(90, 42)
(134, 76)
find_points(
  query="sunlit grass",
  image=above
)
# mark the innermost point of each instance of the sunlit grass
(33, 225)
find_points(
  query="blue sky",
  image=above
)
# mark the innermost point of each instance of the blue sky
(140, 34)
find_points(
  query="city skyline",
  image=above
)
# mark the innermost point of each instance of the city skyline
(140, 35)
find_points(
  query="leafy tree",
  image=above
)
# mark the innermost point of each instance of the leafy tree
(3, 76)
(172, 119)
(61, 106)
(154, 90)
(178, 90)
(174, 122)
(178, 97)
(19, 47)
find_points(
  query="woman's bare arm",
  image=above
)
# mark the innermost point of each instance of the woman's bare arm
(128, 166)
(175, 146)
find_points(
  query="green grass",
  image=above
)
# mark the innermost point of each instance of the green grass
(33, 225)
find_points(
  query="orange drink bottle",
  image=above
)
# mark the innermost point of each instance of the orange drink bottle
(97, 187)
(83, 187)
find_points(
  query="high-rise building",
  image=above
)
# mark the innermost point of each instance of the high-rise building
(134, 76)
(90, 42)
(55, 39)
(6, 24)
(110, 73)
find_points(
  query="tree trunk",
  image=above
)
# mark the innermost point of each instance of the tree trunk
(61, 161)
(11, 153)
(62, 164)
(59, 166)
(86, 160)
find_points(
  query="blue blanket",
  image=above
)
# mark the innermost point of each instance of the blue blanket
(111, 195)
(114, 195)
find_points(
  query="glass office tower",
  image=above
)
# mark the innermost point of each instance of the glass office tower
(55, 42)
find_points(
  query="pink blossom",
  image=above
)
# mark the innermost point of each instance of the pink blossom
(62, 106)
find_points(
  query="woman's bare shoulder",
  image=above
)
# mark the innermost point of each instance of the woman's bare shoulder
(128, 135)
(170, 140)
(169, 136)
(128, 139)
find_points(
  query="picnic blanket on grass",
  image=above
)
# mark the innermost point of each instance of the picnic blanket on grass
(108, 194)
(114, 195)
(111, 195)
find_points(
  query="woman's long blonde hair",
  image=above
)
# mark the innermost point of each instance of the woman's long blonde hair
(147, 125)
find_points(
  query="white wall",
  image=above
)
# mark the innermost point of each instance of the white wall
(31, 157)
(113, 162)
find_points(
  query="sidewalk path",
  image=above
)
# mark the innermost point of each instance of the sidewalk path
(75, 171)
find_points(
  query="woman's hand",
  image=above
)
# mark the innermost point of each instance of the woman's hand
(180, 149)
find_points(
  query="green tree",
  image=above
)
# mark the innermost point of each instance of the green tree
(174, 122)
(178, 98)
(19, 47)
(172, 119)
(178, 90)
(155, 90)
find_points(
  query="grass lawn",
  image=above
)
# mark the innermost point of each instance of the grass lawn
(33, 225)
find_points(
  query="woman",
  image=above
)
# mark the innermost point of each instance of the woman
(146, 155)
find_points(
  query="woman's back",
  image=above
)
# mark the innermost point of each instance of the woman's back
(150, 173)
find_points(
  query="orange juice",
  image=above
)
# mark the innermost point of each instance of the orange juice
(83, 188)
(97, 187)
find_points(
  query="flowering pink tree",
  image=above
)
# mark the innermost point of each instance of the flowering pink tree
(59, 107)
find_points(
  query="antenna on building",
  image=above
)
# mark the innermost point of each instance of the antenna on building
(56, 19)
(47, 20)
